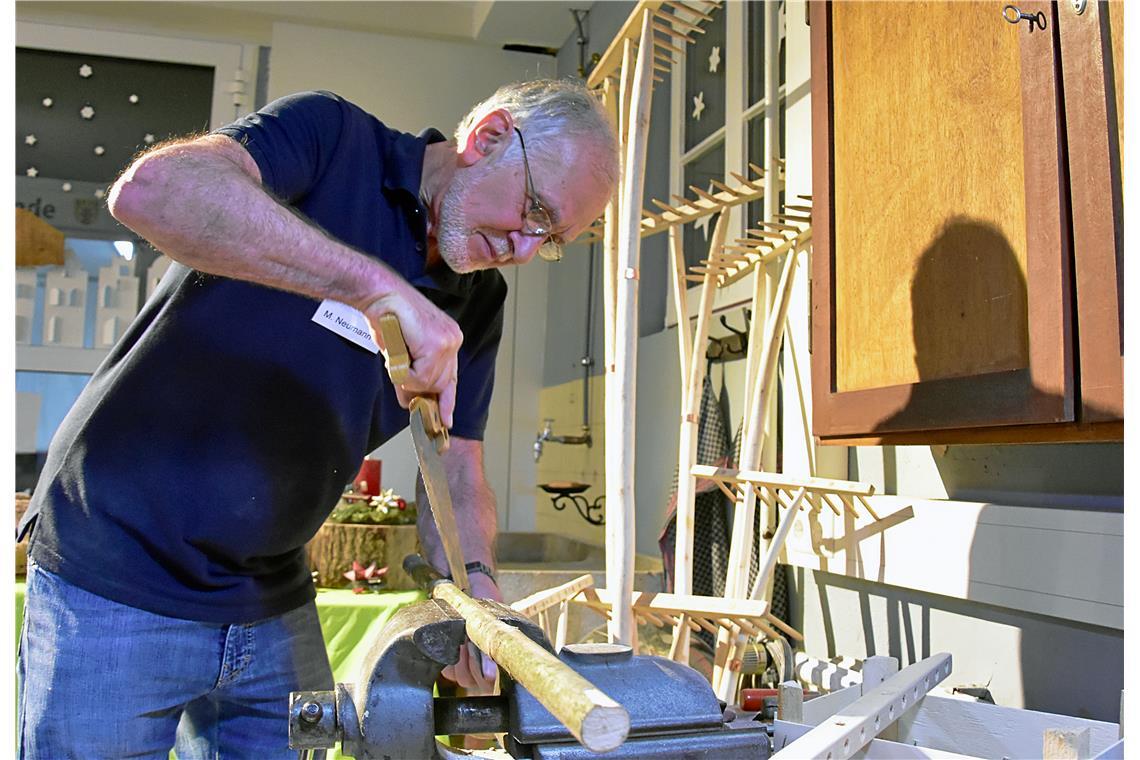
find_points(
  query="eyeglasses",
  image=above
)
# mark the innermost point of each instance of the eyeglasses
(536, 220)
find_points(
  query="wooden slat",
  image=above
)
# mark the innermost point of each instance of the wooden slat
(779, 480)
(679, 22)
(688, 9)
(611, 60)
(677, 604)
(843, 735)
(541, 600)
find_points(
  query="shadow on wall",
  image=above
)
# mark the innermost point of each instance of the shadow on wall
(1066, 667)
(969, 311)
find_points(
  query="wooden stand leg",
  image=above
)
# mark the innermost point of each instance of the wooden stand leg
(687, 455)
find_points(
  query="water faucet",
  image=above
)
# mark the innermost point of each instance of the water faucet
(547, 434)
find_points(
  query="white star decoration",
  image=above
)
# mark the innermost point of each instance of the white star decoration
(698, 105)
(87, 112)
(32, 171)
(66, 187)
(714, 59)
(99, 150)
(29, 140)
(85, 71)
(99, 193)
(148, 138)
(133, 98)
(46, 102)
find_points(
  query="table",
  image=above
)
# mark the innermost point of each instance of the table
(349, 622)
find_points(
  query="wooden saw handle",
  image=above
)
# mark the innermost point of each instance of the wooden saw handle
(399, 364)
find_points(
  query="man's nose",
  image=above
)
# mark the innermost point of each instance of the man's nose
(525, 246)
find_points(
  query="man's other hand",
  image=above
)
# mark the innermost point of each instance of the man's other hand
(476, 673)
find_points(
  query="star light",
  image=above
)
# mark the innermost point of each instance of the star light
(85, 71)
(87, 112)
(100, 150)
(46, 102)
(133, 98)
(698, 105)
(148, 138)
(29, 139)
(32, 171)
(714, 59)
(66, 187)
(100, 193)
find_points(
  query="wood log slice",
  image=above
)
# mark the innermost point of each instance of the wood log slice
(337, 545)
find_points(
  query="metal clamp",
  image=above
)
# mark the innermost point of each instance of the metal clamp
(1014, 15)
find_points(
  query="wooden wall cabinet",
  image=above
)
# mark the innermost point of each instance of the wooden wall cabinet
(968, 263)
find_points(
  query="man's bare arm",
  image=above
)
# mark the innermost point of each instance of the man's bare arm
(202, 203)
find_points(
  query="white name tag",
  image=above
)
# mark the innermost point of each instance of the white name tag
(347, 322)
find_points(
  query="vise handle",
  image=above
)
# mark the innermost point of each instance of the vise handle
(596, 720)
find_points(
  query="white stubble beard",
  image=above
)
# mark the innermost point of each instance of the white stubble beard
(454, 233)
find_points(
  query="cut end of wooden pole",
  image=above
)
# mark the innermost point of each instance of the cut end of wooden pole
(606, 725)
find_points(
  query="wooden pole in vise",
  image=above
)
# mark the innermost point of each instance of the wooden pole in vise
(620, 499)
(596, 720)
(691, 388)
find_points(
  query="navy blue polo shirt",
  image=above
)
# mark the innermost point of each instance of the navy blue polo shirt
(224, 425)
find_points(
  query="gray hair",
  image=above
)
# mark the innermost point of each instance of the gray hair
(548, 110)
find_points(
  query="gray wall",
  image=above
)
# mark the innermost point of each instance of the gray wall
(566, 323)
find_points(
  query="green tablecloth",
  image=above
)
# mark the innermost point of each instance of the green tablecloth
(349, 622)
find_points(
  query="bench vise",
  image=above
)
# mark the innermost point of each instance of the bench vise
(392, 713)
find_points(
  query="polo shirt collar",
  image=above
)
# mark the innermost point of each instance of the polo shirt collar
(404, 162)
(404, 167)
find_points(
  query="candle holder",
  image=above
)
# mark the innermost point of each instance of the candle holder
(564, 493)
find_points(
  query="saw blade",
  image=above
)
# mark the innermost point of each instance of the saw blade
(435, 482)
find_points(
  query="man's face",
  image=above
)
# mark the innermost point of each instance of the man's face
(481, 212)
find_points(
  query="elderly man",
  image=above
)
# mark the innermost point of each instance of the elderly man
(169, 599)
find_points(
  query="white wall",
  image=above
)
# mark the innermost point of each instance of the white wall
(409, 84)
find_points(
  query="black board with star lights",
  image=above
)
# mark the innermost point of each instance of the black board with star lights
(83, 117)
(705, 81)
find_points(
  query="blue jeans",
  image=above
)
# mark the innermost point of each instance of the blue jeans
(100, 679)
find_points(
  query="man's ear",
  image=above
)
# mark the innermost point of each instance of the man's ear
(489, 133)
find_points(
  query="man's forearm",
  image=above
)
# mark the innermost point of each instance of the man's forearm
(202, 203)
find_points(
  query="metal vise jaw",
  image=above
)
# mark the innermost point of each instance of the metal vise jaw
(390, 713)
(673, 712)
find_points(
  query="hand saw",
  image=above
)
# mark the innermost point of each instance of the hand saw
(431, 440)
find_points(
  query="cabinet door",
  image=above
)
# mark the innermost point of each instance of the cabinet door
(1092, 50)
(941, 278)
